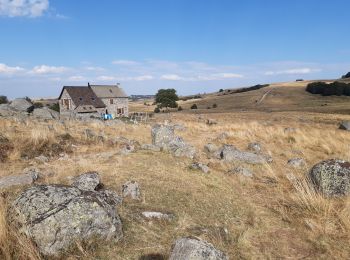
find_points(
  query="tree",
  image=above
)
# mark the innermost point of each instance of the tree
(3, 100)
(167, 98)
(156, 110)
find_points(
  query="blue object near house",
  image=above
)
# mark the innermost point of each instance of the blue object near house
(107, 116)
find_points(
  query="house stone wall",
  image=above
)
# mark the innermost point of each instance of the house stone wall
(118, 103)
(63, 109)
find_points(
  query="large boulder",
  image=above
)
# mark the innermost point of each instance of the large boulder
(164, 137)
(132, 190)
(296, 162)
(195, 249)
(345, 125)
(18, 180)
(45, 113)
(230, 153)
(21, 104)
(55, 216)
(331, 177)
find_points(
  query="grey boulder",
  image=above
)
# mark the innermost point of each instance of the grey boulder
(56, 216)
(345, 125)
(200, 166)
(296, 162)
(21, 104)
(254, 147)
(18, 180)
(132, 190)
(230, 153)
(331, 177)
(195, 249)
(45, 113)
(88, 181)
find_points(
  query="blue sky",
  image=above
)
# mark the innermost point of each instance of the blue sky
(194, 46)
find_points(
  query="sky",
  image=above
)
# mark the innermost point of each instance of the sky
(194, 46)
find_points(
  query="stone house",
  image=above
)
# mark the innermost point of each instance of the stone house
(93, 100)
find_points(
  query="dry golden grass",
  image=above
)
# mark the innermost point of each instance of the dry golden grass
(276, 214)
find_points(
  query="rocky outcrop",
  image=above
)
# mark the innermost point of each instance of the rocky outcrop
(345, 125)
(195, 248)
(200, 166)
(230, 153)
(45, 113)
(164, 137)
(331, 177)
(132, 190)
(254, 147)
(88, 181)
(18, 180)
(55, 216)
(21, 104)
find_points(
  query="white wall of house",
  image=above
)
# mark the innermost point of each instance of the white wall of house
(117, 106)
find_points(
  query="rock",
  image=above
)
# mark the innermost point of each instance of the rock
(21, 104)
(6, 110)
(331, 177)
(17, 180)
(196, 249)
(150, 147)
(164, 137)
(41, 158)
(296, 162)
(89, 181)
(212, 150)
(230, 153)
(241, 171)
(179, 127)
(45, 113)
(345, 125)
(91, 135)
(254, 147)
(200, 166)
(289, 130)
(211, 122)
(157, 215)
(223, 136)
(131, 189)
(56, 216)
(127, 146)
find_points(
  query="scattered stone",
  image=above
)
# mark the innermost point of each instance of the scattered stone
(18, 180)
(179, 127)
(45, 113)
(157, 215)
(296, 162)
(55, 216)
(212, 150)
(223, 136)
(345, 125)
(41, 158)
(289, 130)
(131, 189)
(200, 166)
(89, 181)
(91, 135)
(254, 147)
(150, 147)
(331, 177)
(21, 104)
(242, 171)
(230, 153)
(164, 137)
(211, 122)
(195, 248)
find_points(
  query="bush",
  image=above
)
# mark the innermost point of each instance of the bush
(335, 88)
(194, 106)
(215, 105)
(157, 110)
(3, 100)
(180, 108)
(166, 98)
(38, 105)
(221, 90)
(55, 107)
(208, 107)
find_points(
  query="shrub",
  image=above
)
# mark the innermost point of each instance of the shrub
(166, 98)
(215, 105)
(157, 110)
(208, 107)
(55, 107)
(180, 108)
(38, 105)
(335, 88)
(28, 99)
(3, 100)
(194, 106)
(221, 90)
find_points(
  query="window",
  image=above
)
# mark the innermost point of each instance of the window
(93, 99)
(80, 98)
(111, 101)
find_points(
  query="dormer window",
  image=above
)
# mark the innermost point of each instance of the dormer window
(93, 99)
(80, 98)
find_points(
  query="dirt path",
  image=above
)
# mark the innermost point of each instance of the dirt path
(263, 97)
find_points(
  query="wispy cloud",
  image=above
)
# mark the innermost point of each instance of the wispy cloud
(45, 69)
(77, 78)
(29, 8)
(125, 62)
(294, 71)
(174, 77)
(4, 69)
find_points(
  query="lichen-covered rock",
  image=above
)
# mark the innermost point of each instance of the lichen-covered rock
(164, 137)
(195, 249)
(88, 181)
(331, 177)
(157, 215)
(150, 147)
(230, 153)
(296, 162)
(241, 171)
(45, 113)
(200, 166)
(132, 190)
(55, 216)
(21, 104)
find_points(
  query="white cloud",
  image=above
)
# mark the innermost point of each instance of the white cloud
(92, 68)
(143, 77)
(45, 69)
(174, 77)
(106, 78)
(125, 62)
(77, 78)
(292, 71)
(227, 76)
(30, 8)
(9, 70)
